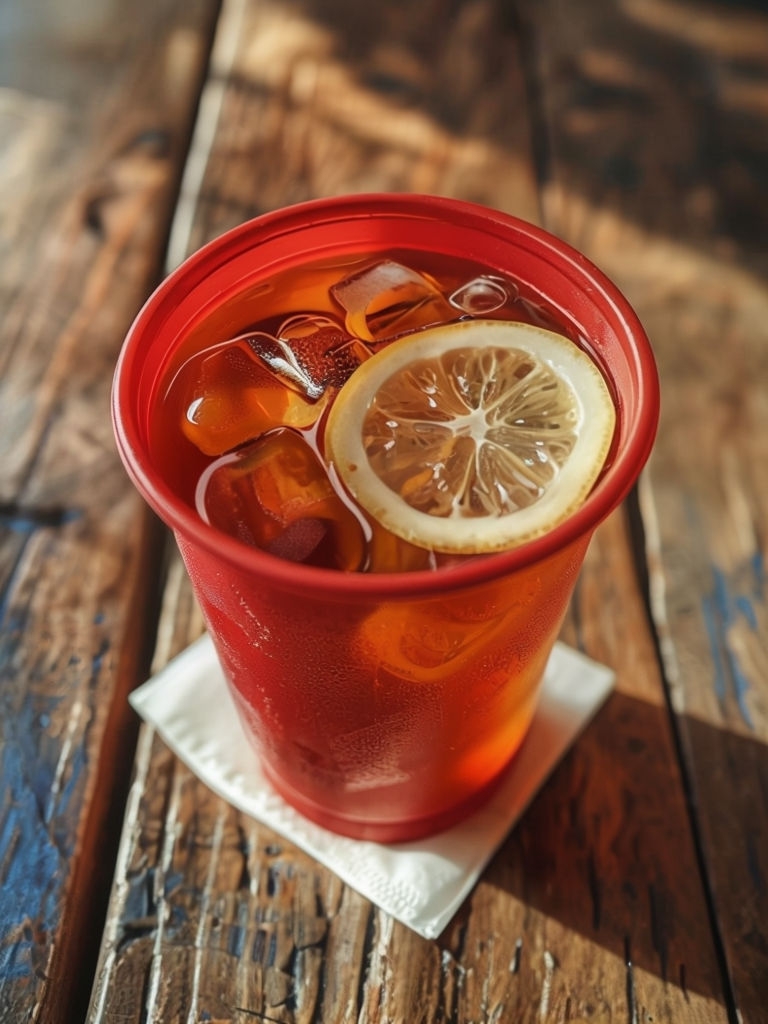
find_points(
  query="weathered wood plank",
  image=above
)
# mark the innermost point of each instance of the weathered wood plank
(657, 117)
(95, 112)
(593, 909)
(324, 98)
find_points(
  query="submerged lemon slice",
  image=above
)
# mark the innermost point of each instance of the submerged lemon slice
(472, 437)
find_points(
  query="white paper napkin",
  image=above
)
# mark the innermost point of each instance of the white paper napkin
(420, 883)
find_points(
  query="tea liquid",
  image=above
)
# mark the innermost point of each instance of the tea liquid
(239, 430)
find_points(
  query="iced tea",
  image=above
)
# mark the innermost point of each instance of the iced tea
(385, 689)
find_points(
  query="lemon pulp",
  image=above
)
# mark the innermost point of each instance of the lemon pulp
(473, 436)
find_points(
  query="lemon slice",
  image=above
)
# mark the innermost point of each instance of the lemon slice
(474, 436)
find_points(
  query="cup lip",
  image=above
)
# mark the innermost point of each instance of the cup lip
(333, 583)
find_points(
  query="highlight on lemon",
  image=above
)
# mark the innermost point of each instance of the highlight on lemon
(472, 437)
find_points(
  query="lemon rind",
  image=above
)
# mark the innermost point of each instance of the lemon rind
(594, 428)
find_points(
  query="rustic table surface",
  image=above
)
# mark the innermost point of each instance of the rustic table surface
(635, 888)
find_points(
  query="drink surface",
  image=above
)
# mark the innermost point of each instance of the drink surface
(239, 431)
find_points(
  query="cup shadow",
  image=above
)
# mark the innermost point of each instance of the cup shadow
(608, 850)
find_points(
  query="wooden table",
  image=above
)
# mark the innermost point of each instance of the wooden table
(635, 888)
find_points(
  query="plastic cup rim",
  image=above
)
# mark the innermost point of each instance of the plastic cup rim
(332, 583)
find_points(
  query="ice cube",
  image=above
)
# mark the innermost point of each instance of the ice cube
(274, 494)
(280, 357)
(483, 294)
(229, 396)
(321, 346)
(387, 299)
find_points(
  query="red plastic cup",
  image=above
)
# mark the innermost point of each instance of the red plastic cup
(387, 706)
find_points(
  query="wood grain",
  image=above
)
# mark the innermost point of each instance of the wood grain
(594, 908)
(95, 111)
(656, 121)
(324, 98)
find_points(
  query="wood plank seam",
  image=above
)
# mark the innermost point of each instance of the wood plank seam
(644, 527)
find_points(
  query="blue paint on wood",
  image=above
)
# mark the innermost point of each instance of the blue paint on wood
(745, 605)
(36, 753)
(98, 658)
(757, 564)
(34, 870)
(139, 900)
(712, 626)
(40, 807)
(726, 607)
(40, 804)
(236, 936)
(20, 524)
(22, 520)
